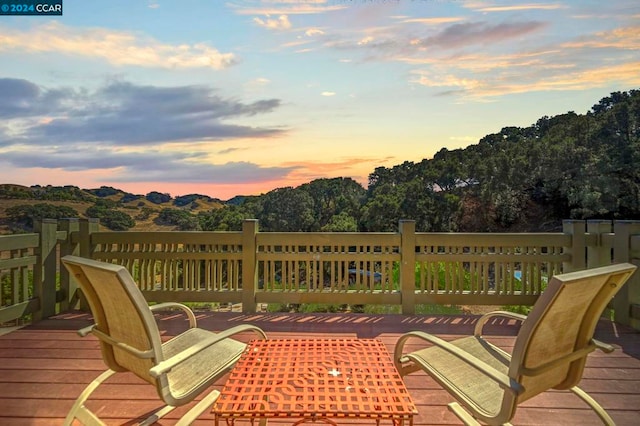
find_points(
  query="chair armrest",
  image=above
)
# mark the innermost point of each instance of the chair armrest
(92, 329)
(604, 347)
(500, 378)
(564, 360)
(173, 305)
(486, 317)
(166, 365)
(85, 331)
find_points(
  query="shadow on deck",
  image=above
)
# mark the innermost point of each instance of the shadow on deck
(44, 366)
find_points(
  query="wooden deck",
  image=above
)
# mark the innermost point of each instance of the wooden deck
(43, 367)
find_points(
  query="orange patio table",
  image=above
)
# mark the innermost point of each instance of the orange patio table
(315, 380)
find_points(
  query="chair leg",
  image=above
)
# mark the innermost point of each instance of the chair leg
(462, 414)
(199, 408)
(157, 415)
(82, 413)
(604, 416)
(89, 418)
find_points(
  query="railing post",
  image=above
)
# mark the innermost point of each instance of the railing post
(599, 255)
(44, 273)
(575, 228)
(68, 285)
(408, 265)
(87, 227)
(249, 269)
(630, 293)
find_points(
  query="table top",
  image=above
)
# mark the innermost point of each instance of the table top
(315, 379)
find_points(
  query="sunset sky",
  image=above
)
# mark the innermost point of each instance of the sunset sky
(240, 97)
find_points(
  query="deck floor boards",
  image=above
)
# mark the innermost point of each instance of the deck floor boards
(44, 366)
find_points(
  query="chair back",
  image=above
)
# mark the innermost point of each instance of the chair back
(121, 314)
(552, 345)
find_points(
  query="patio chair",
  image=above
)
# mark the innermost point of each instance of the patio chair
(181, 369)
(550, 350)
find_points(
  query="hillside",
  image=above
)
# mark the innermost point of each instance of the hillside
(143, 209)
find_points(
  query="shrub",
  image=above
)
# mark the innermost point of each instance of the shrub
(117, 220)
(184, 220)
(126, 198)
(27, 214)
(103, 191)
(158, 198)
(109, 216)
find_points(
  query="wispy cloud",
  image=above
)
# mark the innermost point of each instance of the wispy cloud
(280, 23)
(231, 150)
(474, 33)
(116, 47)
(296, 43)
(257, 83)
(521, 7)
(487, 86)
(313, 32)
(626, 38)
(483, 75)
(432, 21)
(232, 172)
(401, 44)
(148, 166)
(434, 79)
(288, 7)
(482, 60)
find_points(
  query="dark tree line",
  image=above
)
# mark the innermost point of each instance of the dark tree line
(320, 205)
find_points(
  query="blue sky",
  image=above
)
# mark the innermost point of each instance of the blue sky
(240, 97)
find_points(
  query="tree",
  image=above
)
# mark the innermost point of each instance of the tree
(332, 197)
(287, 209)
(382, 211)
(184, 220)
(228, 218)
(341, 222)
(27, 214)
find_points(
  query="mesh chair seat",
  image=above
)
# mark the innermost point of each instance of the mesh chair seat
(470, 383)
(201, 369)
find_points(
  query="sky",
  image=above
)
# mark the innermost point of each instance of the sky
(226, 98)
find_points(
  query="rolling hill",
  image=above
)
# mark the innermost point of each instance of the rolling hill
(144, 209)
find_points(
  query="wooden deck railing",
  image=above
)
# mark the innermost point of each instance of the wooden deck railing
(28, 281)
(404, 268)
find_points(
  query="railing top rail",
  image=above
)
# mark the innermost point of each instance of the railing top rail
(20, 241)
(493, 239)
(168, 237)
(328, 238)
